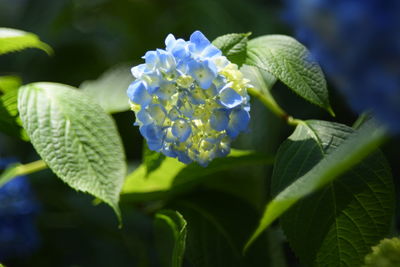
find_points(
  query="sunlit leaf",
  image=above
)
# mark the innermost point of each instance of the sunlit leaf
(75, 137)
(292, 63)
(337, 225)
(173, 175)
(12, 40)
(233, 46)
(10, 122)
(350, 152)
(109, 90)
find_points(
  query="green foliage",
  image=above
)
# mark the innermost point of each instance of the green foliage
(9, 173)
(262, 82)
(75, 137)
(385, 254)
(109, 90)
(217, 233)
(10, 122)
(12, 40)
(337, 225)
(170, 229)
(16, 169)
(356, 147)
(172, 176)
(152, 159)
(290, 62)
(233, 46)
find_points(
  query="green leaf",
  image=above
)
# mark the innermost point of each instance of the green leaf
(109, 90)
(76, 139)
(337, 225)
(216, 231)
(291, 63)
(170, 232)
(262, 82)
(152, 159)
(10, 123)
(356, 147)
(233, 46)
(173, 175)
(12, 40)
(385, 254)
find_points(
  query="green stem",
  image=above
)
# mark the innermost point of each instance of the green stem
(19, 169)
(30, 167)
(269, 103)
(293, 121)
(274, 107)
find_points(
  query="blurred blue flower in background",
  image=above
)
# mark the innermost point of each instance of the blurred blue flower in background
(357, 43)
(190, 101)
(18, 209)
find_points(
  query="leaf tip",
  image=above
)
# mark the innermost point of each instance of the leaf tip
(330, 111)
(46, 48)
(251, 240)
(117, 212)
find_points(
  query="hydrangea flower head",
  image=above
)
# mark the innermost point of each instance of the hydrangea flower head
(190, 101)
(358, 45)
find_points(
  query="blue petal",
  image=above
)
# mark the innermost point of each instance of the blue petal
(220, 82)
(183, 157)
(153, 81)
(203, 72)
(199, 40)
(181, 50)
(201, 47)
(181, 129)
(151, 59)
(230, 98)
(170, 41)
(197, 96)
(153, 135)
(166, 90)
(178, 48)
(222, 151)
(211, 51)
(157, 113)
(138, 70)
(174, 114)
(144, 117)
(219, 120)
(169, 151)
(166, 61)
(185, 108)
(138, 94)
(238, 121)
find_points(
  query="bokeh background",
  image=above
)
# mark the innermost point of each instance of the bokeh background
(88, 38)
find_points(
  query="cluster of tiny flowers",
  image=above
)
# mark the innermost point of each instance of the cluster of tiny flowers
(18, 209)
(358, 45)
(190, 101)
